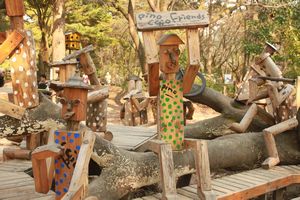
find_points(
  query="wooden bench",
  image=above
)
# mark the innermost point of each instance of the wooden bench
(244, 185)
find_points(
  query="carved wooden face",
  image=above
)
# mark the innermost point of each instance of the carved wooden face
(169, 57)
(74, 103)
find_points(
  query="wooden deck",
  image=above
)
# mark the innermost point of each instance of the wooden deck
(17, 185)
(243, 185)
(131, 137)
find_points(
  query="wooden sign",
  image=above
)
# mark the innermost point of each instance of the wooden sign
(11, 42)
(171, 113)
(65, 164)
(172, 20)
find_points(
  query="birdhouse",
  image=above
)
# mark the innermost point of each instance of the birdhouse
(73, 39)
(66, 69)
(169, 53)
(74, 100)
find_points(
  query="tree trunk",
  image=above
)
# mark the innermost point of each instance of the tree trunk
(58, 40)
(135, 37)
(124, 171)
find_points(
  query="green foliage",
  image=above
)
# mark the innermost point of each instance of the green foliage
(93, 21)
(278, 25)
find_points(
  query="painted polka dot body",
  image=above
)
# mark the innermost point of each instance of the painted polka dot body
(64, 165)
(171, 113)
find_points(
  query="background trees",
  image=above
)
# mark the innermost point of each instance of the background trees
(237, 33)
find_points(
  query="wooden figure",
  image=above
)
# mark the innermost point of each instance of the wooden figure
(169, 90)
(73, 40)
(23, 73)
(74, 99)
(66, 69)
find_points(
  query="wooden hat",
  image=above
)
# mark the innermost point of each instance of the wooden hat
(170, 39)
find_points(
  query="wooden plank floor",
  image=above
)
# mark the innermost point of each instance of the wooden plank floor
(131, 137)
(244, 185)
(17, 185)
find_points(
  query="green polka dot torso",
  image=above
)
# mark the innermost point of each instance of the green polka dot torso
(171, 113)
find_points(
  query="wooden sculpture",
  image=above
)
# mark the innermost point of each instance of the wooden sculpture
(72, 148)
(265, 81)
(170, 92)
(19, 46)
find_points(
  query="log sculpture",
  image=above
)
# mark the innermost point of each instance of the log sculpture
(267, 82)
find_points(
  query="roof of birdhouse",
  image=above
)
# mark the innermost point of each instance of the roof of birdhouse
(72, 32)
(170, 39)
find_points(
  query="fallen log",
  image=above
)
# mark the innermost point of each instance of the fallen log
(124, 172)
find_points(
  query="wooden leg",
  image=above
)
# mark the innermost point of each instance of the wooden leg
(204, 188)
(272, 151)
(10, 153)
(269, 134)
(167, 174)
(246, 121)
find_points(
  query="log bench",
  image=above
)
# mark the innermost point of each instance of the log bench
(244, 185)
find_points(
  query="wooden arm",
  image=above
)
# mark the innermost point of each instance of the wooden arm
(39, 166)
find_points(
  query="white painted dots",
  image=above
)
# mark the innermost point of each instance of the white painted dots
(24, 55)
(17, 81)
(34, 84)
(15, 92)
(29, 73)
(21, 104)
(32, 63)
(26, 84)
(33, 96)
(12, 70)
(25, 95)
(28, 43)
(21, 68)
(29, 103)
(14, 59)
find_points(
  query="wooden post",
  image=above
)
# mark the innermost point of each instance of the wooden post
(245, 122)
(193, 46)
(23, 72)
(152, 61)
(167, 174)
(15, 8)
(89, 68)
(200, 151)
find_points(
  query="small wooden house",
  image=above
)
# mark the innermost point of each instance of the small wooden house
(73, 40)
